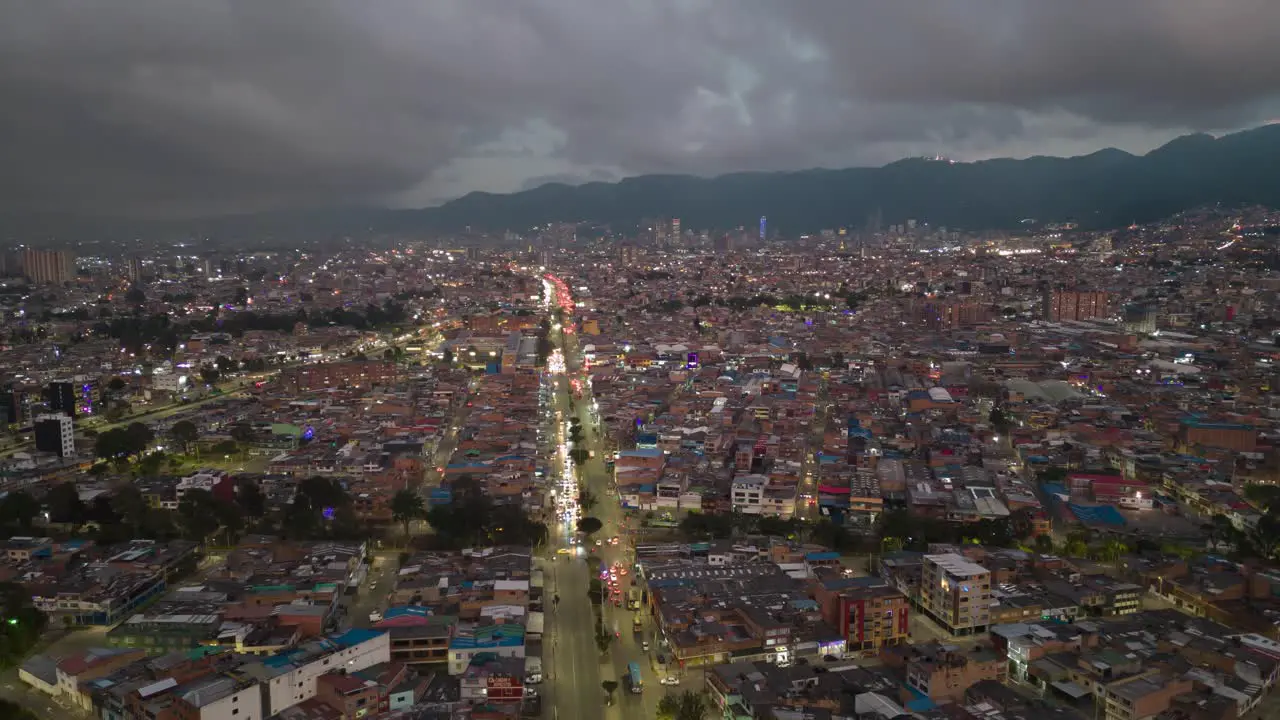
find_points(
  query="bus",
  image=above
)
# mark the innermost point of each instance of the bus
(633, 677)
(633, 598)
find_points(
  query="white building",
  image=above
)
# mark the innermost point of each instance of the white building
(755, 495)
(290, 676)
(55, 433)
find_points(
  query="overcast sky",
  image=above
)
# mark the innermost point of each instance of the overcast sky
(175, 107)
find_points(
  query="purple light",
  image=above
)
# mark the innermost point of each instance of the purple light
(328, 513)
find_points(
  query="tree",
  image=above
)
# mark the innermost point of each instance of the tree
(135, 296)
(1075, 548)
(116, 384)
(1044, 544)
(1265, 536)
(604, 639)
(589, 526)
(242, 433)
(407, 506)
(776, 527)
(225, 365)
(19, 509)
(688, 705)
(1112, 550)
(199, 514)
(22, 629)
(609, 687)
(150, 465)
(586, 500)
(138, 438)
(112, 444)
(13, 710)
(447, 356)
(128, 505)
(249, 498)
(185, 433)
(209, 374)
(998, 419)
(65, 506)
(1263, 497)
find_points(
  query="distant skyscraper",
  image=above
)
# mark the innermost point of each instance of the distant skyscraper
(135, 270)
(763, 227)
(48, 267)
(675, 230)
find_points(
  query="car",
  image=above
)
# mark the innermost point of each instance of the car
(670, 680)
(564, 551)
(644, 645)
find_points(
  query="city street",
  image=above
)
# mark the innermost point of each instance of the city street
(372, 593)
(573, 623)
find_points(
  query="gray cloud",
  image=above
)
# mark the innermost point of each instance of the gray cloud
(180, 107)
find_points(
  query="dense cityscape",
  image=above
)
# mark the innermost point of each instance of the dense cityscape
(875, 472)
(662, 360)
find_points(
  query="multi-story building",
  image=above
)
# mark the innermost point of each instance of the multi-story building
(758, 495)
(48, 267)
(54, 433)
(956, 593)
(1075, 305)
(291, 676)
(360, 374)
(943, 673)
(1144, 696)
(950, 313)
(61, 397)
(870, 618)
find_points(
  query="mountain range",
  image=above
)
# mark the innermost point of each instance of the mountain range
(1104, 189)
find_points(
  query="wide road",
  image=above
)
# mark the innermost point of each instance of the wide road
(627, 647)
(571, 660)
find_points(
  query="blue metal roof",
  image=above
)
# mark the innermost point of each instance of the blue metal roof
(355, 636)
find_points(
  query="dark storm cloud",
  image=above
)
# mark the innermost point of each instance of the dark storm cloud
(172, 107)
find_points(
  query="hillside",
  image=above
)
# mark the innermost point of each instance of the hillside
(1102, 189)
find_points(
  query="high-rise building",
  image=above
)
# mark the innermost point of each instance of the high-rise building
(1075, 305)
(15, 404)
(54, 433)
(626, 254)
(675, 230)
(135, 271)
(764, 226)
(956, 593)
(48, 267)
(61, 397)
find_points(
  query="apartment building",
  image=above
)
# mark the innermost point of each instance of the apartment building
(870, 618)
(1075, 305)
(1144, 696)
(956, 593)
(759, 495)
(943, 673)
(291, 676)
